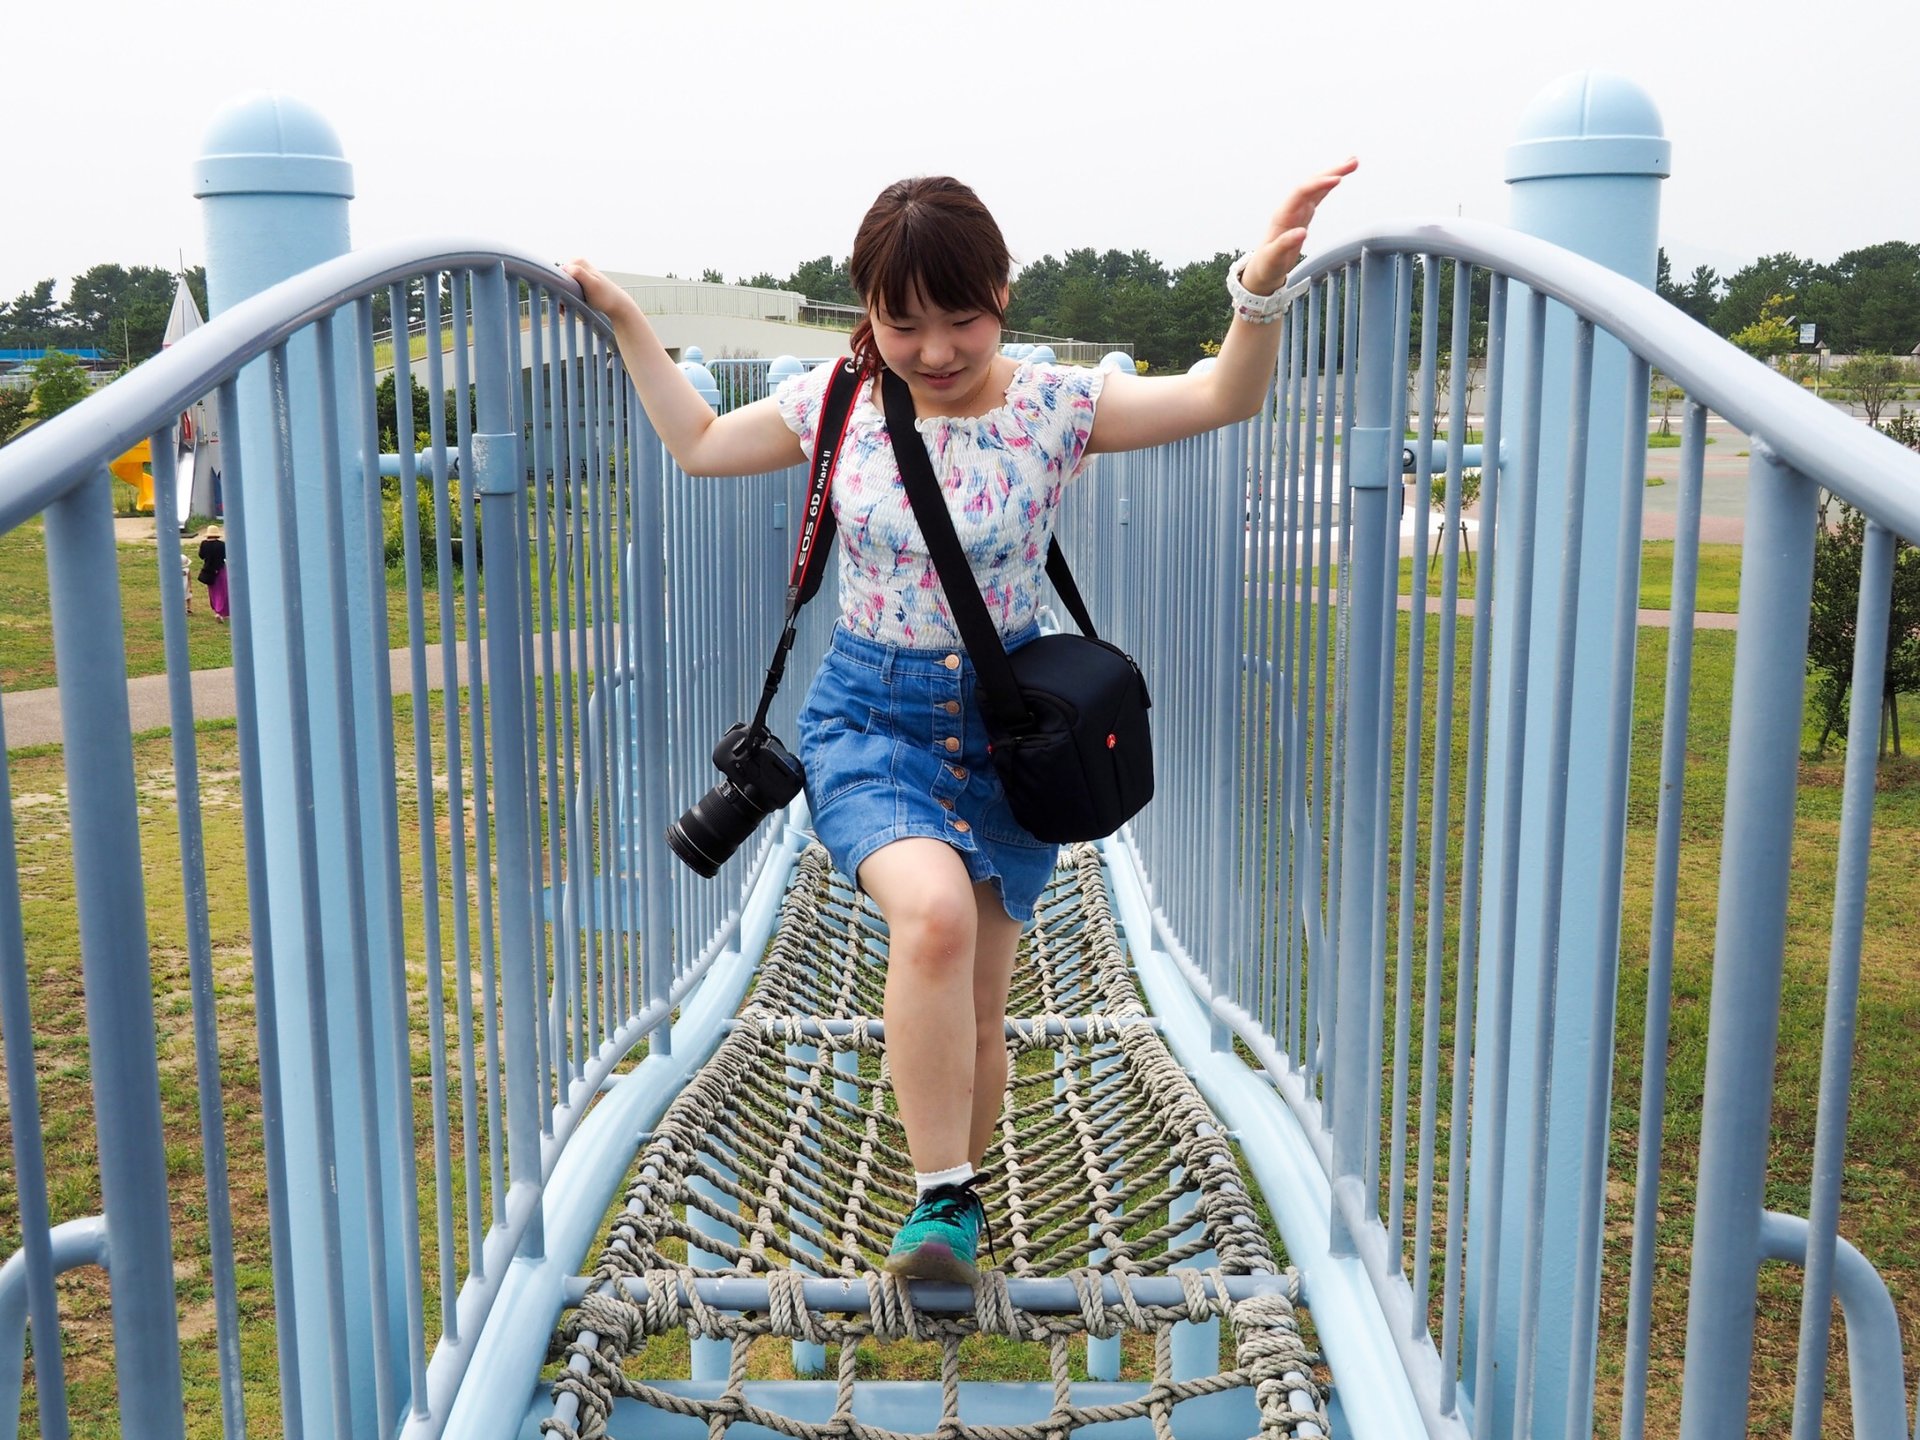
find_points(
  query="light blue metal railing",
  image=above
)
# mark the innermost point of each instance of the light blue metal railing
(1415, 1046)
(562, 715)
(1312, 767)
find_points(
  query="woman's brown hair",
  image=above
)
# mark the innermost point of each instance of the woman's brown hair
(930, 239)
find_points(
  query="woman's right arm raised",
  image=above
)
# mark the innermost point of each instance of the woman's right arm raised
(747, 441)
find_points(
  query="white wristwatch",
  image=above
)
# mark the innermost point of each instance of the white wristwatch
(1256, 309)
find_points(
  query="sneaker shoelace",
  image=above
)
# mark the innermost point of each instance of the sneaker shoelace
(947, 1203)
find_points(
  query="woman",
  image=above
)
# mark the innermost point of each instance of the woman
(213, 570)
(898, 781)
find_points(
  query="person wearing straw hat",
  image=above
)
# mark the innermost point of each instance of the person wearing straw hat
(213, 570)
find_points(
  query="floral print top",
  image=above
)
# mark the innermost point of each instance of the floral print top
(1002, 474)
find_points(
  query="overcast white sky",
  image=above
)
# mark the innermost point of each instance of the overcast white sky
(751, 134)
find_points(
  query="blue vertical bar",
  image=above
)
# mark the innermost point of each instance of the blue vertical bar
(29, 1150)
(111, 900)
(1552, 872)
(420, 709)
(710, 1357)
(1843, 977)
(1666, 881)
(358, 1121)
(456, 769)
(1313, 907)
(1433, 1002)
(535, 931)
(1763, 762)
(287, 1303)
(1195, 1345)
(193, 876)
(474, 538)
(1599, 1083)
(578, 938)
(1465, 1022)
(1278, 509)
(1497, 1339)
(803, 1076)
(1336, 880)
(498, 482)
(1228, 554)
(1368, 451)
(326, 1303)
(572, 879)
(1414, 733)
(1380, 860)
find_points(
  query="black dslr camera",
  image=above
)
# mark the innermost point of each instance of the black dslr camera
(759, 778)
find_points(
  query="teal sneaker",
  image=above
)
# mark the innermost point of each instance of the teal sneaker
(941, 1238)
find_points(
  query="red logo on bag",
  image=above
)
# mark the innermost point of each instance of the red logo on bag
(1111, 742)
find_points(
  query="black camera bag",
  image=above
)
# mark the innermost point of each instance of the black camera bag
(1066, 714)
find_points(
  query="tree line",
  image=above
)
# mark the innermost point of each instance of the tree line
(121, 310)
(1865, 302)
(1168, 317)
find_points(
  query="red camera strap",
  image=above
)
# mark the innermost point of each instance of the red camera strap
(816, 523)
(816, 520)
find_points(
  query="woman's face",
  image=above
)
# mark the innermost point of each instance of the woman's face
(945, 356)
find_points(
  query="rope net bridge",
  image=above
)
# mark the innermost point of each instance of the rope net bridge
(780, 1173)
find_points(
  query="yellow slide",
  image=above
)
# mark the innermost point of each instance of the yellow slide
(132, 468)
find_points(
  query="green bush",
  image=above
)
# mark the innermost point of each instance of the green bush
(393, 521)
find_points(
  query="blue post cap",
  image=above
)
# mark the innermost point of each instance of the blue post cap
(784, 367)
(274, 145)
(1118, 360)
(1041, 355)
(1590, 123)
(1202, 365)
(702, 381)
(694, 355)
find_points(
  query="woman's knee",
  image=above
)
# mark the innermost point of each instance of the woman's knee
(923, 890)
(932, 925)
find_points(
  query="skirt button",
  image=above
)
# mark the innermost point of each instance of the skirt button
(952, 662)
(953, 707)
(962, 826)
(953, 743)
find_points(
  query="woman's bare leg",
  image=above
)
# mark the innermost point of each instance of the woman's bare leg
(922, 889)
(997, 942)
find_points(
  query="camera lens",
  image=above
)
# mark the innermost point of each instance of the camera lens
(715, 826)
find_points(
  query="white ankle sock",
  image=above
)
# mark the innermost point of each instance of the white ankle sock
(955, 1175)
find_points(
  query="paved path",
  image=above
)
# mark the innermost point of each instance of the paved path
(33, 716)
(1658, 619)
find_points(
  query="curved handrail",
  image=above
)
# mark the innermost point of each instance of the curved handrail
(50, 459)
(1861, 466)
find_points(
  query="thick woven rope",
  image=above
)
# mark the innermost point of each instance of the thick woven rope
(1108, 1165)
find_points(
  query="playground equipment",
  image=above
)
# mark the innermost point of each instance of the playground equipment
(451, 1086)
(131, 469)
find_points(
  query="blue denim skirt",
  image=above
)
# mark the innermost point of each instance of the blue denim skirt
(894, 746)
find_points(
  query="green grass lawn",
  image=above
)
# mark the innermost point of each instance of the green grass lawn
(1883, 1159)
(26, 624)
(1717, 586)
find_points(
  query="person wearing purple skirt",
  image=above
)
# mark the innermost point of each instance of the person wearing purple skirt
(213, 570)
